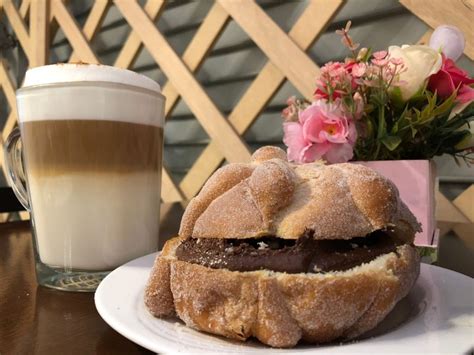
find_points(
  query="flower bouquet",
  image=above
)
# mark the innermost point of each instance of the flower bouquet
(406, 103)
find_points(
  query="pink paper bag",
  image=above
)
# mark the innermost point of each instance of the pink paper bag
(416, 182)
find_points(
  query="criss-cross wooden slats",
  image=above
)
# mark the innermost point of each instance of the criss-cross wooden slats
(5, 81)
(93, 22)
(278, 47)
(286, 61)
(440, 12)
(425, 39)
(18, 25)
(209, 31)
(169, 191)
(176, 71)
(133, 43)
(202, 42)
(9, 90)
(24, 8)
(262, 89)
(39, 32)
(75, 36)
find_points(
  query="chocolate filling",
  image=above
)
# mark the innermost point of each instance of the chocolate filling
(292, 256)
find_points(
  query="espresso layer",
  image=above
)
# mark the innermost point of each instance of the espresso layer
(292, 256)
(54, 147)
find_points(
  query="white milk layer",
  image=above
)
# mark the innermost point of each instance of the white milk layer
(95, 221)
(81, 72)
(91, 101)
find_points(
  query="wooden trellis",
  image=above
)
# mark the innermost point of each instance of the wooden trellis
(45, 16)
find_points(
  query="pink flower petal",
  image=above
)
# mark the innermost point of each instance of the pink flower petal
(358, 70)
(306, 114)
(312, 127)
(314, 152)
(336, 132)
(359, 106)
(457, 74)
(379, 62)
(465, 94)
(352, 135)
(460, 77)
(339, 153)
(379, 54)
(396, 61)
(442, 84)
(293, 139)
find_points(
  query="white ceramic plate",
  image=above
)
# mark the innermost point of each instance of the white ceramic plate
(436, 317)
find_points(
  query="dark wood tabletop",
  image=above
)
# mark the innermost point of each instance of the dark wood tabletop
(38, 320)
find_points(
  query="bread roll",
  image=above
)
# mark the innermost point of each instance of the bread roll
(271, 197)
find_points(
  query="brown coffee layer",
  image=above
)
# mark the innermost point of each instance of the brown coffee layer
(63, 146)
(292, 256)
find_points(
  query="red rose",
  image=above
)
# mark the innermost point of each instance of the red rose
(448, 79)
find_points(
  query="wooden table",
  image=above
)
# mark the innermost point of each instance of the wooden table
(38, 320)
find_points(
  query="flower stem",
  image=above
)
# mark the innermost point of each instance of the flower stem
(380, 130)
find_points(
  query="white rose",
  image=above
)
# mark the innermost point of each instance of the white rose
(420, 62)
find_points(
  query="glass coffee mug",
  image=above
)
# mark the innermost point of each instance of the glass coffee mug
(86, 163)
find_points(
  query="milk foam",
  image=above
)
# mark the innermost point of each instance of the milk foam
(65, 73)
(76, 100)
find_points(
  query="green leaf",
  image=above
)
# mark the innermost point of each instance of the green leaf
(391, 142)
(464, 140)
(370, 128)
(400, 122)
(420, 95)
(382, 124)
(367, 55)
(396, 98)
(394, 129)
(417, 116)
(445, 106)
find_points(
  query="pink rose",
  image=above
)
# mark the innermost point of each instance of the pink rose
(448, 79)
(323, 132)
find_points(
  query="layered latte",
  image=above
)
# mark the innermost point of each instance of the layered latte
(93, 155)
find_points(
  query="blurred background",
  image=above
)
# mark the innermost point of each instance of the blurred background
(231, 65)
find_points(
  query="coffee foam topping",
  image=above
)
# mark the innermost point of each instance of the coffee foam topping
(89, 102)
(79, 72)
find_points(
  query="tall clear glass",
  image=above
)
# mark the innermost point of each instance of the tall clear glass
(86, 162)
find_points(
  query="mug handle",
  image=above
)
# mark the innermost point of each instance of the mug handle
(14, 167)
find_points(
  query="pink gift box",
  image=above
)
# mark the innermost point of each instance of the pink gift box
(416, 182)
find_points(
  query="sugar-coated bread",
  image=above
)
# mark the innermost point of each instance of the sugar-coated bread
(271, 196)
(280, 309)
